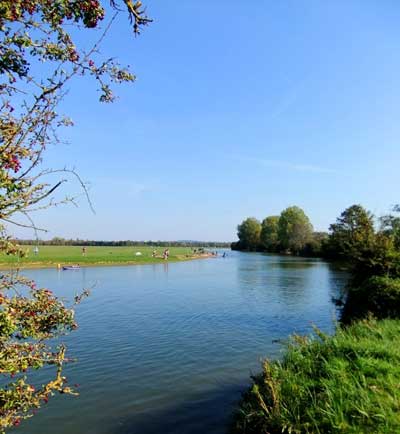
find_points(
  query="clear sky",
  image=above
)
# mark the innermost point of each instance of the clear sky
(240, 109)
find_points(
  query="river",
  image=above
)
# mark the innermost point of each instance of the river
(169, 348)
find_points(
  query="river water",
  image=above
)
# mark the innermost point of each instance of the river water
(169, 348)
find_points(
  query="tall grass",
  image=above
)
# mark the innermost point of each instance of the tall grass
(346, 383)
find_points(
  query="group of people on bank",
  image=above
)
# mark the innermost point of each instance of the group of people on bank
(165, 254)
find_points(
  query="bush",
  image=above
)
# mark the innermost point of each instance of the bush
(347, 383)
(380, 259)
(378, 295)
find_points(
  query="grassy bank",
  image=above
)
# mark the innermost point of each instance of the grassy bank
(49, 256)
(346, 383)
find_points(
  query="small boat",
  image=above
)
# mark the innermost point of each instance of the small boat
(71, 267)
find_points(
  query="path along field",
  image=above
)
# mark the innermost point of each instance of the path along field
(49, 256)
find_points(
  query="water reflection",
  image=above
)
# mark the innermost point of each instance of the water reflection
(281, 279)
(293, 264)
(167, 348)
(186, 416)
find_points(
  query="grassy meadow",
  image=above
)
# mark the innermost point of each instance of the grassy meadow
(103, 255)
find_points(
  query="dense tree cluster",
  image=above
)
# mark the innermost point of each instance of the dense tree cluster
(352, 233)
(355, 235)
(294, 230)
(291, 232)
(269, 233)
(249, 232)
(373, 258)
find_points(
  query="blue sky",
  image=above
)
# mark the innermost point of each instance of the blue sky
(240, 109)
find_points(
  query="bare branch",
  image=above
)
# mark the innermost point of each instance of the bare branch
(21, 225)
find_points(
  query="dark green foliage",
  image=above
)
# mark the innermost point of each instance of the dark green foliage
(347, 383)
(390, 226)
(352, 233)
(379, 296)
(236, 246)
(316, 246)
(294, 230)
(291, 232)
(381, 258)
(269, 234)
(249, 234)
(374, 281)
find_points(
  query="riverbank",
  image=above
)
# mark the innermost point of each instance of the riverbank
(348, 382)
(345, 383)
(52, 256)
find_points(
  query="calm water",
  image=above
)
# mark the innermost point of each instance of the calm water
(168, 348)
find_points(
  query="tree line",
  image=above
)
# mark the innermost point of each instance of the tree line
(355, 230)
(290, 232)
(58, 241)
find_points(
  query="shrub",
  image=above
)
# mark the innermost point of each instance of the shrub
(378, 295)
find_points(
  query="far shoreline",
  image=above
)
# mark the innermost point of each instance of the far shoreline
(54, 265)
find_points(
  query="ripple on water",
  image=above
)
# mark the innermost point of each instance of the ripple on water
(169, 349)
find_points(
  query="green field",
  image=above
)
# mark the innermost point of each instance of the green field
(66, 255)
